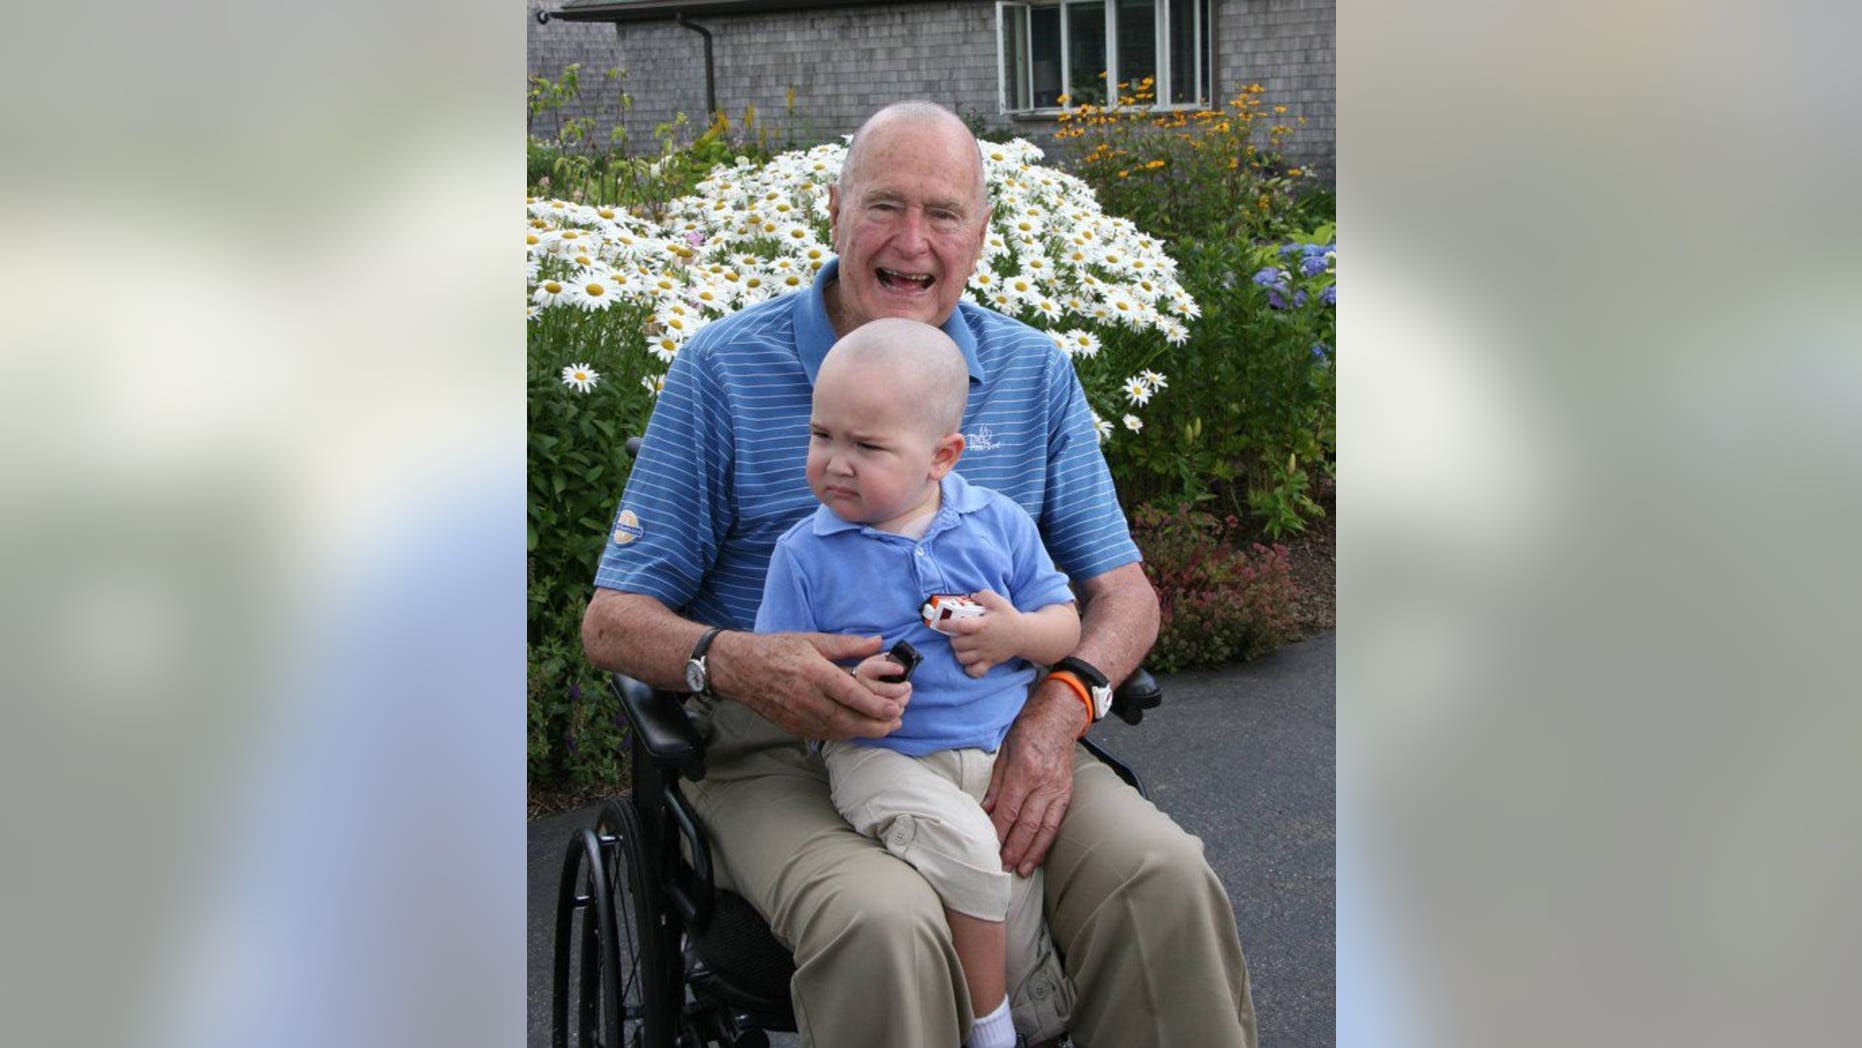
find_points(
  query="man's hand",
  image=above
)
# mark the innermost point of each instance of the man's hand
(993, 637)
(1032, 783)
(790, 679)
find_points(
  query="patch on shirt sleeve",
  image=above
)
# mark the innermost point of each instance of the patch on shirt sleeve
(627, 528)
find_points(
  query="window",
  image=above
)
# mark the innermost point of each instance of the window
(1047, 48)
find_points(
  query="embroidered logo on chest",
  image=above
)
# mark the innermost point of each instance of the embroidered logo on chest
(981, 440)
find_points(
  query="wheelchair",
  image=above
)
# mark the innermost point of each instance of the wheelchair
(660, 956)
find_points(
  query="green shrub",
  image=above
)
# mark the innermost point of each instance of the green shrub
(1250, 419)
(1216, 603)
(1212, 173)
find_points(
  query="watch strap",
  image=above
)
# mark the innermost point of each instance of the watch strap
(1098, 685)
(704, 642)
(697, 660)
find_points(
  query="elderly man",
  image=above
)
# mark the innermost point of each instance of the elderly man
(1144, 927)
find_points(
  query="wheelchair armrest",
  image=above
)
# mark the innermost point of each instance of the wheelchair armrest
(659, 720)
(1140, 692)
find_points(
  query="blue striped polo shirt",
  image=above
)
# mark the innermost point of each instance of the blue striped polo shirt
(720, 472)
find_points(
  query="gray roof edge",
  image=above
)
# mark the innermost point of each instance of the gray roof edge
(642, 10)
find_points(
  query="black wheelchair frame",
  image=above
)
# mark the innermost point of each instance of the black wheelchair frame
(640, 920)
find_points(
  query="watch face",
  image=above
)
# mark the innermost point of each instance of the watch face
(1102, 701)
(695, 675)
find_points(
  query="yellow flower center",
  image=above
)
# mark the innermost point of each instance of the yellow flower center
(594, 289)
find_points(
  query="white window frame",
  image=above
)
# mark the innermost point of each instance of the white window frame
(1010, 65)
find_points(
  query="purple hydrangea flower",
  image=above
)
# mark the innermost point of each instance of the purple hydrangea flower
(1319, 350)
(1267, 276)
(1299, 297)
(1330, 295)
(1312, 265)
(1274, 299)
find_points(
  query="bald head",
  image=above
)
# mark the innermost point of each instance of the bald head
(914, 114)
(919, 361)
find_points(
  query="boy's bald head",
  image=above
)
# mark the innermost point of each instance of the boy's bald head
(924, 366)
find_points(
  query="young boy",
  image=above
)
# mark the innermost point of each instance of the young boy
(896, 527)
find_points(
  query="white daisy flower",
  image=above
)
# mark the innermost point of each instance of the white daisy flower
(1102, 427)
(1133, 423)
(1153, 379)
(1124, 308)
(532, 311)
(664, 347)
(551, 291)
(654, 384)
(580, 377)
(1082, 343)
(593, 291)
(1137, 391)
(1184, 306)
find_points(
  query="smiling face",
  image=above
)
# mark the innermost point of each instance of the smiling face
(909, 219)
(887, 404)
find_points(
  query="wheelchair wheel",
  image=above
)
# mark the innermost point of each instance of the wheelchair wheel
(626, 989)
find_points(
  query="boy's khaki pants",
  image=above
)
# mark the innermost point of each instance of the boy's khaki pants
(1145, 928)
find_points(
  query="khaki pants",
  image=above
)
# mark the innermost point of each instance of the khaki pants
(928, 811)
(1145, 928)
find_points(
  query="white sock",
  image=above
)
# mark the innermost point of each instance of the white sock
(995, 1030)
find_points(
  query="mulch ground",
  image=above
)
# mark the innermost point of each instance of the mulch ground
(1312, 556)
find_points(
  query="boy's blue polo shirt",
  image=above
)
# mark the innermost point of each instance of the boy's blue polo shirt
(720, 474)
(830, 576)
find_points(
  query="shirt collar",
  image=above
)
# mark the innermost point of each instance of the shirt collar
(956, 497)
(814, 334)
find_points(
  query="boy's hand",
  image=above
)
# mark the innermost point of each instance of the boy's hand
(989, 639)
(874, 667)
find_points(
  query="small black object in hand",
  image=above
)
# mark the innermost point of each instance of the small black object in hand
(907, 656)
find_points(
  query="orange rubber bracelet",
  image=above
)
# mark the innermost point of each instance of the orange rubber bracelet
(1079, 688)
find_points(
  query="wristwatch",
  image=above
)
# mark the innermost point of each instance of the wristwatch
(697, 675)
(1097, 686)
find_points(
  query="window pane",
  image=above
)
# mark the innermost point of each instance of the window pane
(1183, 86)
(1137, 45)
(1208, 49)
(1086, 52)
(1044, 51)
(1015, 57)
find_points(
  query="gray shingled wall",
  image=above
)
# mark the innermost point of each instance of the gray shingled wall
(844, 63)
(1290, 48)
(558, 44)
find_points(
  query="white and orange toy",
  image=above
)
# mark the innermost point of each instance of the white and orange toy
(942, 609)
